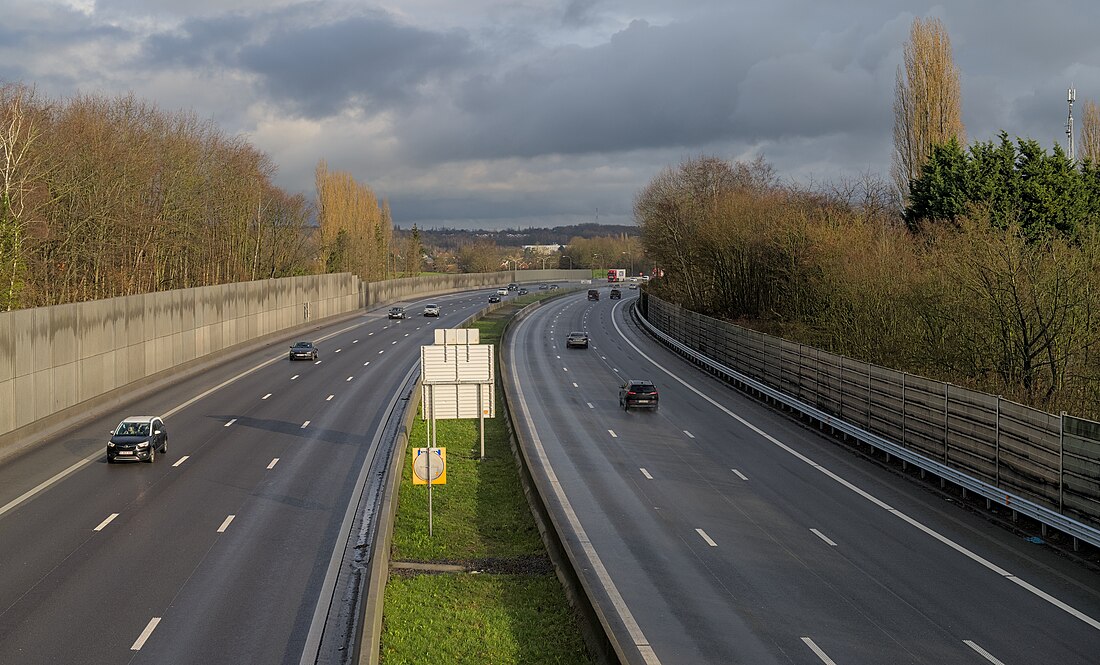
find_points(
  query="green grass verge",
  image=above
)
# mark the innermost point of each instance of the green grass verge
(512, 611)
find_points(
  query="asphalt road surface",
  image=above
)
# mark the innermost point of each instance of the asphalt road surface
(218, 551)
(717, 530)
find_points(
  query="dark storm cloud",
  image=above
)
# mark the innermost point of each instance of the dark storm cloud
(319, 69)
(367, 59)
(686, 84)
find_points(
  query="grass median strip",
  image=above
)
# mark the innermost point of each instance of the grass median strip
(482, 589)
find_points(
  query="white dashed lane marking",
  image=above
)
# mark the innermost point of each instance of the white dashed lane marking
(110, 518)
(984, 654)
(273, 463)
(266, 396)
(348, 379)
(226, 523)
(304, 425)
(295, 377)
(575, 385)
(704, 536)
(739, 474)
(329, 398)
(817, 650)
(182, 460)
(646, 474)
(230, 423)
(149, 628)
(590, 405)
(613, 434)
(690, 435)
(823, 537)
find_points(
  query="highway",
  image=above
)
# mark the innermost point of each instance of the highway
(717, 530)
(219, 551)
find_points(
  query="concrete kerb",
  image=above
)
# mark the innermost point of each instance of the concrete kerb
(23, 439)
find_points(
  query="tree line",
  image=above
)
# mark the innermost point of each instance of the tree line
(102, 197)
(977, 265)
(973, 302)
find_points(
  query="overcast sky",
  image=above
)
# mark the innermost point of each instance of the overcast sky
(492, 113)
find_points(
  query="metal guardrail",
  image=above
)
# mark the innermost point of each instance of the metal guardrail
(1078, 530)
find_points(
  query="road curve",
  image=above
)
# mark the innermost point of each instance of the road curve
(716, 530)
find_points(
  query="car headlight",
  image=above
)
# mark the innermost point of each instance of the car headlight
(143, 444)
(110, 444)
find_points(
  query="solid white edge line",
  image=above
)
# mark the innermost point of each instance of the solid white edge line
(863, 493)
(230, 422)
(587, 550)
(110, 518)
(982, 652)
(823, 537)
(704, 536)
(739, 474)
(149, 628)
(49, 481)
(817, 650)
(182, 460)
(274, 461)
(646, 474)
(226, 523)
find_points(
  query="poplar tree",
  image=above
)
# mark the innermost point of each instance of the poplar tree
(927, 101)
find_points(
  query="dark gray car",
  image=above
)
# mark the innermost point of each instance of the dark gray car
(303, 351)
(137, 439)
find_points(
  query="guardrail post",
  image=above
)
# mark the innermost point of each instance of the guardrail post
(903, 409)
(997, 447)
(1062, 461)
(946, 425)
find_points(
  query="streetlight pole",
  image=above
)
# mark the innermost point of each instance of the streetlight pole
(567, 258)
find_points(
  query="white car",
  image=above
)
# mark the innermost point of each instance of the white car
(502, 292)
(586, 281)
(431, 310)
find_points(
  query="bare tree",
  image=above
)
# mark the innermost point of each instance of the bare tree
(927, 101)
(20, 168)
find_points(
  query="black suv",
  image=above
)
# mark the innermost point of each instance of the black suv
(593, 294)
(304, 351)
(616, 294)
(638, 393)
(396, 313)
(137, 438)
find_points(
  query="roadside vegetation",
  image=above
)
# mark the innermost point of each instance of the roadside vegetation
(978, 266)
(506, 606)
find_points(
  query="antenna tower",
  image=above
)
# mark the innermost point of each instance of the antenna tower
(1071, 96)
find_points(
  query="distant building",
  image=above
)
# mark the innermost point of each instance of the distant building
(542, 249)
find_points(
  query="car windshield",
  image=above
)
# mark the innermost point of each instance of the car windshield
(642, 387)
(303, 345)
(577, 334)
(133, 429)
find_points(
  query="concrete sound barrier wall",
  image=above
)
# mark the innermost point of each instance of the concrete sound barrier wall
(54, 360)
(396, 290)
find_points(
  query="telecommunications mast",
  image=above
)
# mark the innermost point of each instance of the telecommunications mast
(1071, 96)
